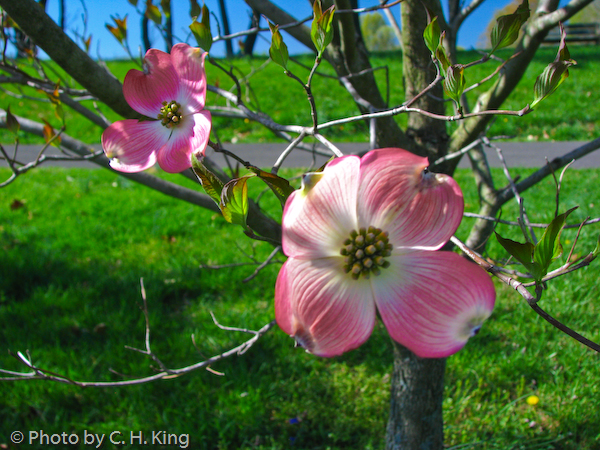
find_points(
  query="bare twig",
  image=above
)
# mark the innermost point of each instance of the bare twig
(264, 264)
(38, 373)
(534, 225)
(523, 218)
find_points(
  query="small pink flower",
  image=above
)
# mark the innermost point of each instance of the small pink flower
(170, 92)
(360, 238)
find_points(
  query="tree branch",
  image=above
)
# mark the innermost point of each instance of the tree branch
(49, 37)
(521, 289)
(535, 31)
(257, 220)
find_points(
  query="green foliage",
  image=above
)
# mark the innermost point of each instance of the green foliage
(153, 13)
(211, 184)
(537, 258)
(278, 50)
(484, 40)
(234, 201)
(201, 30)
(454, 83)
(321, 31)
(432, 35)
(280, 186)
(507, 28)
(378, 36)
(555, 73)
(69, 293)
(120, 30)
(570, 116)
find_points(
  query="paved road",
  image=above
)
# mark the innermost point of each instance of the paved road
(517, 154)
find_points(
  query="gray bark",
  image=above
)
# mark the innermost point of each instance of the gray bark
(417, 389)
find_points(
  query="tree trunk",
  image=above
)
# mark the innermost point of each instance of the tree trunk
(429, 137)
(349, 57)
(417, 386)
(416, 421)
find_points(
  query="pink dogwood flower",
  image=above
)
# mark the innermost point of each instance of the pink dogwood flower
(360, 238)
(170, 93)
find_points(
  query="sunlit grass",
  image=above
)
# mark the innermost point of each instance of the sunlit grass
(577, 119)
(77, 242)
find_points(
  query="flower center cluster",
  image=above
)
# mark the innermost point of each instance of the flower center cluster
(169, 114)
(365, 252)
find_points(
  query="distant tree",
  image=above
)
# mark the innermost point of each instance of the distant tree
(378, 35)
(225, 19)
(247, 45)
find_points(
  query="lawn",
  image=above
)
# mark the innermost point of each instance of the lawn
(76, 242)
(576, 99)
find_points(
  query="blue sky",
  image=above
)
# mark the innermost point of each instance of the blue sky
(105, 45)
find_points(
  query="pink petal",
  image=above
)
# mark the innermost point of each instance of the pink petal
(433, 302)
(189, 64)
(145, 91)
(131, 145)
(317, 220)
(419, 210)
(326, 311)
(189, 137)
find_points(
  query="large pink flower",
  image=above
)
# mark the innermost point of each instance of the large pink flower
(170, 92)
(361, 237)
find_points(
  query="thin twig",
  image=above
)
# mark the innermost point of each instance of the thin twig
(264, 264)
(523, 218)
(521, 289)
(534, 225)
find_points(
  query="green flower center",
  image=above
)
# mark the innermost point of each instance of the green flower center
(169, 114)
(365, 252)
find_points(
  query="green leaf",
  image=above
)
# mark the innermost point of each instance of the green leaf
(506, 30)
(12, 123)
(440, 54)
(550, 79)
(549, 247)
(212, 185)
(195, 10)
(120, 32)
(50, 136)
(201, 30)
(153, 13)
(321, 31)
(432, 35)
(555, 73)
(522, 252)
(454, 83)
(596, 251)
(115, 32)
(278, 51)
(59, 113)
(166, 7)
(280, 186)
(234, 200)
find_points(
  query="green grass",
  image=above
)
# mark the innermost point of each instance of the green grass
(72, 257)
(575, 99)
